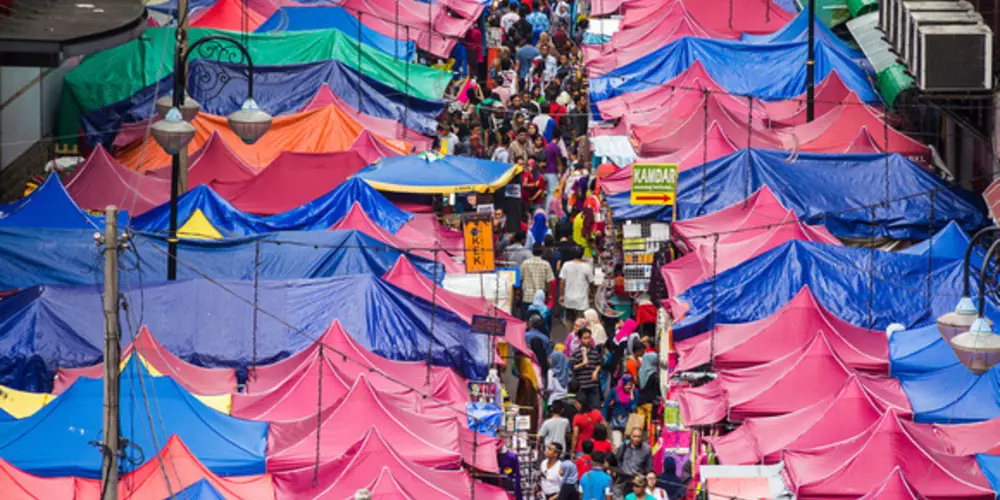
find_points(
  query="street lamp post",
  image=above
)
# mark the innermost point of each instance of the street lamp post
(966, 329)
(174, 132)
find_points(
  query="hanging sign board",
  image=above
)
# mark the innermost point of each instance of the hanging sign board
(654, 184)
(488, 325)
(478, 236)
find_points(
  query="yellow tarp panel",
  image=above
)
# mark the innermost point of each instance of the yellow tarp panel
(20, 404)
(199, 228)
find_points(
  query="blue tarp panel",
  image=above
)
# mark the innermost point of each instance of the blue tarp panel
(50, 206)
(948, 243)
(763, 71)
(325, 17)
(847, 281)
(280, 90)
(484, 418)
(939, 387)
(43, 328)
(798, 31)
(317, 215)
(30, 257)
(823, 189)
(202, 490)
(68, 427)
(170, 6)
(918, 351)
(4, 416)
(990, 464)
(432, 174)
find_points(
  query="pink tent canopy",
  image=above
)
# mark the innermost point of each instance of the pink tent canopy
(755, 17)
(405, 276)
(229, 15)
(194, 378)
(832, 419)
(786, 384)
(378, 125)
(863, 143)
(431, 26)
(968, 439)
(336, 341)
(829, 94)
(213, 162)
(760, 209)
(291, 180)
(714, 145)
(632, 44)
(101, 181)
(833, 132)
(680, 129)
(426, 224)
(894, 487)
(749, 241)
(371, 148)
(856, 466)
(356, 218)
(679, 97)
(373, 460)
(788, 330)
(434, 437)
(605, 7)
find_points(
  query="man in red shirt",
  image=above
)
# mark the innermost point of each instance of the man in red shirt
(584, 423)
(585, 462)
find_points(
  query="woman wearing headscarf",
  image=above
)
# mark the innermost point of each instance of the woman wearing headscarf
(622, 402)
(559, 372)
(539, 228)
(675, 487)
(570, 481)
(573, 340)
(649, 386)
(595, 326)
(539, 307)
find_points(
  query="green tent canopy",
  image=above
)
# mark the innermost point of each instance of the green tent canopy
(116, 74)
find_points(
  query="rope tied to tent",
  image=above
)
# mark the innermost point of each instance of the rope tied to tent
(715, 274)
(430, 341)
(256, 302)
(704, 149)
(319, 415)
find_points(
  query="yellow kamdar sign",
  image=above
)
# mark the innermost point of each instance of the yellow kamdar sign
(654, 184)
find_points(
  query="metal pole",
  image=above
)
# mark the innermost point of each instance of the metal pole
(112, 357)
(811, 65)
(180, 72)
(175, 163)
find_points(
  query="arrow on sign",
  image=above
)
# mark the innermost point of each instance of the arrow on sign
(661, 198)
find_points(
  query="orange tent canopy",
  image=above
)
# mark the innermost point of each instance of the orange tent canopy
(323, 130)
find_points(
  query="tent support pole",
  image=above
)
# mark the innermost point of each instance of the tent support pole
(111, 446)
(811, 65)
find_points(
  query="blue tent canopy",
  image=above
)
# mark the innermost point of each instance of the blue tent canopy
(918, 351)
(30, 257)
(170, 6)
(279, 90)
(823, 189)
(43, 328)
(202, 490)
(430, 173)
(50, 206)
(798, 31)
(948, 243)
(939, 387)
(324, 17)
(762, 71)
(317, 215)
(845, 280)
(990, 465)
(68, 427)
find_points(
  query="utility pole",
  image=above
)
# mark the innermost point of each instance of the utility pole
(811, 65)
(112, 357)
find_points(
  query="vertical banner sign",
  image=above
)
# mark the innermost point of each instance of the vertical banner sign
(478, 232)
(654, 184)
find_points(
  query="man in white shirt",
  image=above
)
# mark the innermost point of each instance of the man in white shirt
(508, 20)
(554, 429)
(575, 277)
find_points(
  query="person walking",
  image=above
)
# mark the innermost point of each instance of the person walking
(575, 277)
(635, 459)
(586, 363)
(596, 484)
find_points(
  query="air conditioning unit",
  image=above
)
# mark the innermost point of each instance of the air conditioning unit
(954, 58)
(885, 8)
(917, 20)
(905, 8)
